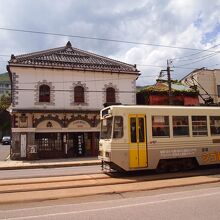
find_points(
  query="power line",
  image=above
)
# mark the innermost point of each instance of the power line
(175, 67)
(207, 50)
(100, 39)
(146, 65)
(89, 91)
(66, 90)
(91, 80)
(196, 58)
(207, 57)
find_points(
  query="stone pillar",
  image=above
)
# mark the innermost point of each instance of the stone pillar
(32, 148)
(15, 146)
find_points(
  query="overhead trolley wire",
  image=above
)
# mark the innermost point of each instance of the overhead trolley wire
(207, 57)
(100, 39)
(196, 58)
(194, 54)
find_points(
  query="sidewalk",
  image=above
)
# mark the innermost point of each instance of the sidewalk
(50, 163)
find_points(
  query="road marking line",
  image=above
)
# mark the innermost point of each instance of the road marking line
(112, 200)
(115, 207)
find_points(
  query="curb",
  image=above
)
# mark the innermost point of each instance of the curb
(36, 166)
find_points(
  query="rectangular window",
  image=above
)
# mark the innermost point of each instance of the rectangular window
(218, 89)
(118, 127)
(199, 126)
(141, 130)
(180, 126)
(79, 94)
(133, 130)
(106, 128)
(160, 126)
(215, 125)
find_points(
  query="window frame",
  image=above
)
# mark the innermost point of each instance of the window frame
(199, 125)
(44, 93)
(110, 95)
(106, 128)
(165, 126)
(79, 96)
(120, 129)
(180, 128)
(214, 130)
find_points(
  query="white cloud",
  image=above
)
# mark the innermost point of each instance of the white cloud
(188, 23)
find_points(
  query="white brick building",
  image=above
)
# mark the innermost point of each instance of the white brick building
(56, 98)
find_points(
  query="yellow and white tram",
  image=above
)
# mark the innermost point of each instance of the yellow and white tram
(164, 137)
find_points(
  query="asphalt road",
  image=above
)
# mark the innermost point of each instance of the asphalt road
(30, 173)
(194, 202)
(4, 151)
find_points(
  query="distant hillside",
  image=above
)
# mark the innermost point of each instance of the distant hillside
(4, 77)
(139, 88)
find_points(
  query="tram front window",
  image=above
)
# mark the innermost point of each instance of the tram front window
(118, 127)
(106, 128)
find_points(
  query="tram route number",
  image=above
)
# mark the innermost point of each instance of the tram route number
(211, 157)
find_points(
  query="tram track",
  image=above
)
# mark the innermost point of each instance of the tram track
(38, 189)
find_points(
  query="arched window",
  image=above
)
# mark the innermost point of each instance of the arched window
(79, 94)
(44, 93)
(110, 94)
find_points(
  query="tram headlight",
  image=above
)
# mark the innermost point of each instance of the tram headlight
(107, 154)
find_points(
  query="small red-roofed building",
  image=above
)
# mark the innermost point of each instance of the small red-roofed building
(158, 94)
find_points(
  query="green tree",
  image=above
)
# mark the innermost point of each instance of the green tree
(5, 101)
(5, 119)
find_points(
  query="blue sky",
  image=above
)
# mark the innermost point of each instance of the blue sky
(188, 24)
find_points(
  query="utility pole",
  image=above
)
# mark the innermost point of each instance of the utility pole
(169, 84)
(168, 70)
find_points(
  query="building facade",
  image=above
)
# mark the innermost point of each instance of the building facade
(207, 82)
(56, 98)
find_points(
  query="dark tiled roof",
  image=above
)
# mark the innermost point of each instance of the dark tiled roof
(69, 57)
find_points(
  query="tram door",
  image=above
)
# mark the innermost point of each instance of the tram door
(137, 141)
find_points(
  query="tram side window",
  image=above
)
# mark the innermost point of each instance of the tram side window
(199, 126)
(215, 125)
(118, 127)
(180, 126)
(133, 130)
(160, 126)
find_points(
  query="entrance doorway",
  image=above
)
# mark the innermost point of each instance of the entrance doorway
(79, 144)
(49, 145)
(76, 144)
(82, 144)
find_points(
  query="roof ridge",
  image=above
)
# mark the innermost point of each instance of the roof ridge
(69, 54)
